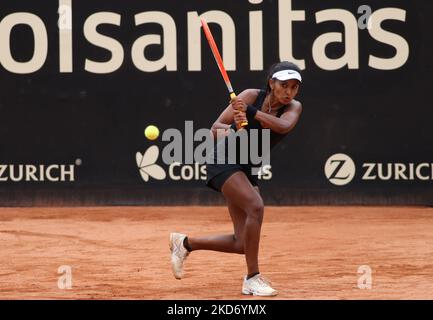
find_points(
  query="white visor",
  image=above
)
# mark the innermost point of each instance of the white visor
(285, 75)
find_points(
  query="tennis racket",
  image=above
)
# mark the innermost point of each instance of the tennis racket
(220, 64)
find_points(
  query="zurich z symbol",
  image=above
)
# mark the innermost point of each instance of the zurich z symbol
(340, 169)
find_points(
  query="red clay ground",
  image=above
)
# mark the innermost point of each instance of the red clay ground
(307, 252)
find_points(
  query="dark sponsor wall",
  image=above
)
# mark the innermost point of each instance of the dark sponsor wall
(86, 128)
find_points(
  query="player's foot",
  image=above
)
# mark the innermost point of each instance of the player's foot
(178, 254)
(258, 286)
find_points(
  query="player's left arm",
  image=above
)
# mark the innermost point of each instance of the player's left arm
(283, 124)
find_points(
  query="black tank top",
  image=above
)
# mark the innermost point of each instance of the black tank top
(255, 124)
(219, 154)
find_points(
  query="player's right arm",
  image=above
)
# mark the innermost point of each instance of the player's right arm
(221, 126)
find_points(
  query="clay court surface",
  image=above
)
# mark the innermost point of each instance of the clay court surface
(307, 253)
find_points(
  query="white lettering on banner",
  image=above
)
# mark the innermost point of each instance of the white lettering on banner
(368, 173)
(65, 36)
(288, 19)
(256, 40)
(182, 172)
(49, 176)
(178, 171)
(340, 170)
(40, 36)
(400, 44)
(64, 172)
(418, 171)
(228, 38)
(105, 42)
(265, 173)
(351, 56)
(171, 171)
(29, 172)
(168, 59)
(398, 171)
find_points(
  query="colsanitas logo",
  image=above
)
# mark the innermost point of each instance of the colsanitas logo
(146, 162)
(186, 162)
(178, 171)
(286, 17)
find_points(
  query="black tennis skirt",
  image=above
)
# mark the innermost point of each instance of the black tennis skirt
(217, 174)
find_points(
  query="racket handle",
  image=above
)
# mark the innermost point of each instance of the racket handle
(238, 125)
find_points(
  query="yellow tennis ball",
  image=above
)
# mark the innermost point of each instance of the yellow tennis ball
(151, 132)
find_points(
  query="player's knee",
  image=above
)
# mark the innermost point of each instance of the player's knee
(256, 209)
(239, 248)
(239, 244)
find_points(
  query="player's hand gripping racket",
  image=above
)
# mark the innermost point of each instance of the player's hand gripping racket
(220, 64)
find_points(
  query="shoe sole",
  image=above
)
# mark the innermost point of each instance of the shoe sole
(249, 293)
(171, 251)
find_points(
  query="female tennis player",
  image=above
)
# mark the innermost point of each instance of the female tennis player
(276, 109)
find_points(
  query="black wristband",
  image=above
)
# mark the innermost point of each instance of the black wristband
(251, 111)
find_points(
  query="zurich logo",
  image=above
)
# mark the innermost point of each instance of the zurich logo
(340, 169)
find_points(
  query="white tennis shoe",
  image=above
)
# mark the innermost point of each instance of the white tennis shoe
(178, 254)
(258, 286)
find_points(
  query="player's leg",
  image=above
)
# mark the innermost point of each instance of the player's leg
(181, 245)
(247, 196)
(231, 243)
(246, 210)
(240, 192)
